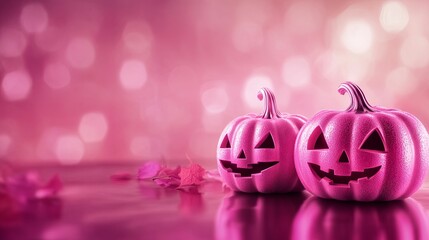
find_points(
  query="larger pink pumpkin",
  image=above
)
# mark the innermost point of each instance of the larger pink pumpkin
(256, 152)
(364, 153)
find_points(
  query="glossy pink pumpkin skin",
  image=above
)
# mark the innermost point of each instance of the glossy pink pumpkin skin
(367, 154)
(251, 161)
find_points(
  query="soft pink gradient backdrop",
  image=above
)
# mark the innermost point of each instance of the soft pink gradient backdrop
(101, 81)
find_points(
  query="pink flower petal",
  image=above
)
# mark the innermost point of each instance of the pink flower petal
(51, 188)
(121, 176)
(55, 183)
(167, 182)
(192, 175)
(213, 175)
(148, 170)
(171, 172)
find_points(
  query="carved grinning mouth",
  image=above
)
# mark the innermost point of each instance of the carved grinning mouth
(246, 172)
(337, 179)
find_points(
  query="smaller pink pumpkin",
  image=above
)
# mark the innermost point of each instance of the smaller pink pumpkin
(364, 153)
(256, 152)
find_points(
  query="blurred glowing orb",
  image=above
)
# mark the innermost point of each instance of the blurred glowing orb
(394, 16)
(215, 100)
(133, 74)
(69, 149)
(296, 72)
(80, 53)
(213, 123)
(34, 18)
(137, 36)
(93, 127)
(56, 75)
(16, 85)
(414, 51)
(253, 84)
(297, 17)
(141, 147)
(401, 81)
(12, 42)
(246, 36)
(357, 36)
(52, 39)
(5, 142)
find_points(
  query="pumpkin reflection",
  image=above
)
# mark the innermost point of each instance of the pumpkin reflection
(327, 219)
(248, 216)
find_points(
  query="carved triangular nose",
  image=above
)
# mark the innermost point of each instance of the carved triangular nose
(344, 157)
(242, 155)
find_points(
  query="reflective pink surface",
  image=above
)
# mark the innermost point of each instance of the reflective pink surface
(107, 80)
(91, 206)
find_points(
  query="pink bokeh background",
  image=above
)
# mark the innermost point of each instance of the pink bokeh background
(118, 81)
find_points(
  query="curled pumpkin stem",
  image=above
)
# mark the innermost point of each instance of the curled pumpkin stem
(359, 103)
(270, 110)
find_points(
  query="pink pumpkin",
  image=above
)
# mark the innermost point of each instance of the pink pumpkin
(364, 153)
(256, 152)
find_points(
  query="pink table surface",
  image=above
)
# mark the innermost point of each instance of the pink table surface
(91, 206)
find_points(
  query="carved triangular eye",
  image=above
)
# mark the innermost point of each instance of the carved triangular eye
(374, 142)
(317, 140)
(267, 142)
(225, 142)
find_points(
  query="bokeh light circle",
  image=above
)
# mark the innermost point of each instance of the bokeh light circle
(394, 16)
(56, 75)
(296, 72)
(34, 18)
(137, 37)
(5, 141)
(247, 36)
(133, 74)
(357, 36)
(12, 42)
(80, 53)
(215, 100)
(16, 85)
(253, 84)
(93, 127)
(141, 146)
(414, 52)
(69, 149)
(297, 18)
(401, 81)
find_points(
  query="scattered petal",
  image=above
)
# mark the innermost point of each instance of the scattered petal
(51, 189)
(170, 172)
(213, 175)
(121, 176)
(192, 175)
(148, 170)
(27, 187)
(167, 182)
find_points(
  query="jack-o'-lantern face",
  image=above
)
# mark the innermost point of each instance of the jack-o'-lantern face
(364, 153)
(373, 143)
(248, 167)
(256, 152)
